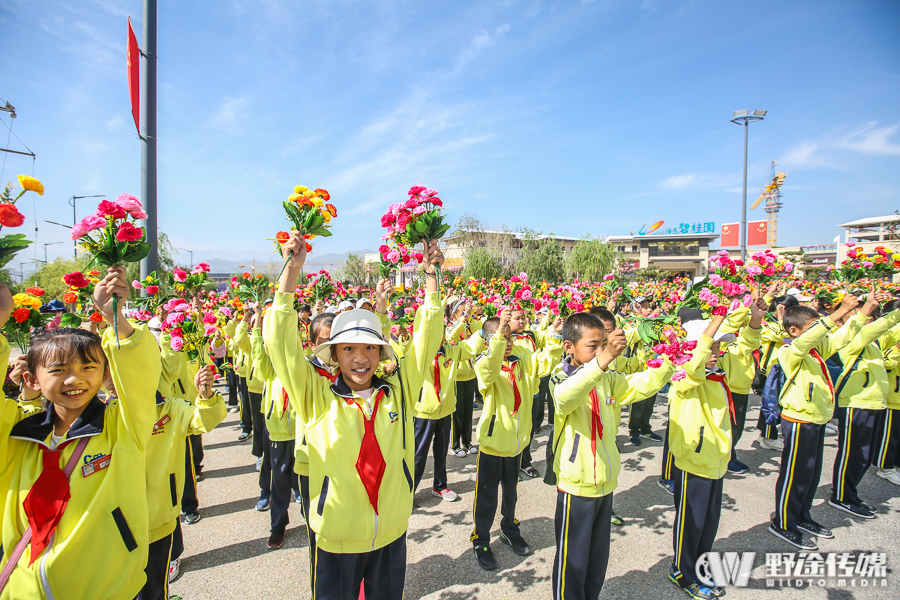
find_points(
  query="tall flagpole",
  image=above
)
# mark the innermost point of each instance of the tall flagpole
(148, 138)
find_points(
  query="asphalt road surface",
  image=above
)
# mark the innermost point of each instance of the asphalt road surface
(226, 554)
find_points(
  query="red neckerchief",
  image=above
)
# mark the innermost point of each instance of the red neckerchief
(512, 378)
(825, 372)
(596, 427)
(46, 500)
(720, 377)
(437, 376)
(519, 336)
(370, 463)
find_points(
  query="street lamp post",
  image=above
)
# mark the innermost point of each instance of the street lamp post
(75, 216)
(745, 117)
(191, 252)
(45, 249)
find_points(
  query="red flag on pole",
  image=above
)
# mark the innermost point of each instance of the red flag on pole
(757, 232)
(134, 80)
(731, 235)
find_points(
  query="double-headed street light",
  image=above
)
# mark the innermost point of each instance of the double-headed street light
(745, 117)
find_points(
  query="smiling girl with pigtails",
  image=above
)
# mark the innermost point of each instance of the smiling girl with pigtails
(359, 432)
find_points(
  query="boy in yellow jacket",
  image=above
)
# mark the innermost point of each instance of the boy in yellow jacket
(861, 392)
(359, 434)
(700, 443)
(434, 410)
(176, 419)
(508, 384)
(807, 404)
(75, 474)
(586, 392)
(887, 426)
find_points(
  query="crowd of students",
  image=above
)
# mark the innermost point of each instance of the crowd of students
(102, 451)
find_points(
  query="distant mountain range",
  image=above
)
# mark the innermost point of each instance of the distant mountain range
(330, 262)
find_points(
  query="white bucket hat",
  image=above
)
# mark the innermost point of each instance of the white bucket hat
(695, 329)
(356, 326)
(345, 305)
(363, 301)
(796, 293)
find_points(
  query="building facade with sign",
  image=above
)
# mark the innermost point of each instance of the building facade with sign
(682, 254)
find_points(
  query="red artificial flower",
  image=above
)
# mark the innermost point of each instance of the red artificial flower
(151, 289)
(128, 233)
(70, 297)
(282, 237)
(35, 291)
(308, 247)
(322, 194)
(96, 317)
(10, 216)
(111, 209)
(245, 275)
(76, 280)
(331, 208)
(720, 311)
(436, 201)
(21, 314)
(93, 273)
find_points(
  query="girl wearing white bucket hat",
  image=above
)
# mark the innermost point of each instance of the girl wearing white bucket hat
(359, 433)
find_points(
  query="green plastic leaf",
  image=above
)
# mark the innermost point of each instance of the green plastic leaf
(70, 320)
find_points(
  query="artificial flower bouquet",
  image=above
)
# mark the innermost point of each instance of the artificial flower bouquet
(393, 256)
(81, 295)
(321, 285)
(616, 289)
(250, 287)
(190, 332)
(113, 238)
(10, 244)
(25, 316)
(418, 219)
(858, 265)
(309, 213)
(193, 283)
(765, 267)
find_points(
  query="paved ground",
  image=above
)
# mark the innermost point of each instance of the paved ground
(226, 554)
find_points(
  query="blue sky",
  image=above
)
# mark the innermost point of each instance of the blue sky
(566, 117)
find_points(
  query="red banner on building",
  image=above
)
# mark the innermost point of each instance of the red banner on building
(731, 235)
(133, 56)
(757, 232)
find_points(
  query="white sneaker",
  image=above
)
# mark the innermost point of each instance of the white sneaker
(768, 444)
(445, 494)
(233, 409)
(889, 475)
(259, 463)
(831, 428)
(473, 449)
(174, 569)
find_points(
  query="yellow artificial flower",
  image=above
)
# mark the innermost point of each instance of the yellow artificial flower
(326, 215)
(294, 198)
(27, 300)
(318, 202)
(300, 189)
(31, 184)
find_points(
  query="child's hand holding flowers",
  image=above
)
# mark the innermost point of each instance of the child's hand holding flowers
(106, 294)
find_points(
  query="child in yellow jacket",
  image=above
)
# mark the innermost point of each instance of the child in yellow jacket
(807, 403)
(359, 433)
(176, 419)
(887, 427)
(586, 392)
(508, 384)
(861, 392)
(434, 411)
(75, 474)
(466, 329)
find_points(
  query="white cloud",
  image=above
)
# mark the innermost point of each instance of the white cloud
(697, 180)
(478, 44)
(867, 139)
(230, 111)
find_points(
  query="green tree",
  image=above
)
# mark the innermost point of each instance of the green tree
(591, 259)
(542, 259)
(651, 273)
(481, 263)
(49, 276)
(353, 271)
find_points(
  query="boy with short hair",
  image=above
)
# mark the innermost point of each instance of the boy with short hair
(586, 392)
(508, 384)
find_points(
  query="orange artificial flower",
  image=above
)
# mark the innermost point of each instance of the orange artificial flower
(96, 317)
(322, 194)
(331, 208)
(245, 275)
(282, 237)
(10, 216)
(70, 297)
(35, 291)
(21, 314)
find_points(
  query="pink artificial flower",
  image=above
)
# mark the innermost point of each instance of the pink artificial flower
(688, 346)
(526, 295)
(748, 300)
(393, 256)
(177, 343)
(829, 268)
(416, 190)
(739, 262)
(79, 231)
(655, 363)
(659, 348)
(734, 305)
(209, 329)
(682, 359)
(209, 318)
(715, 280)
(128, 202)
(179, 275)
(137, 285)
(177, 304)
(788, 267)
(419, 257)
(868, 264)
(152, 289)
(129, 233)
(722, 253)
(111, 209)
(719, 311)
(608, 276)
(138, 214)
(753, 270)
(679, 375)
(850, 244)
(410, 204)
(670, 335)
(768, 271)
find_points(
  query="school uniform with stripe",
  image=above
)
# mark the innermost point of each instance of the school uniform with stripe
(887, 426)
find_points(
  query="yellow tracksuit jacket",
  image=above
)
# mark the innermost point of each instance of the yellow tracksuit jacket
(699, 419)
(808, 392)
(342, 515)
(176, 418)
(863, 382)
(99, 548)
(255, 381)
(446, 363)
(175, 381)
(581, 470)
(500, 432)
(462, 332)
(737, 360)
(280, 423)
(892, 364)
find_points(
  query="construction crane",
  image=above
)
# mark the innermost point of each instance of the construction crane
(772, 194)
